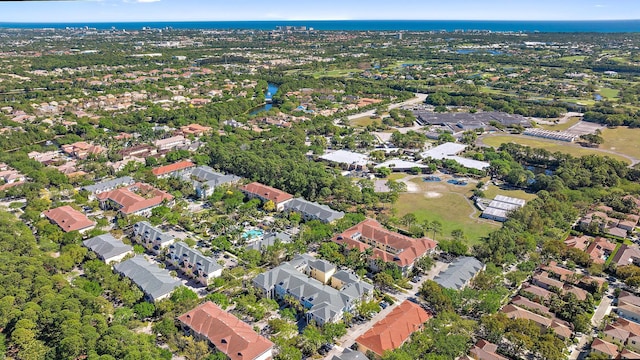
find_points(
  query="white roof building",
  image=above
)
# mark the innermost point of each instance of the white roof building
(444, 151)
(348, 158)
(450, 151)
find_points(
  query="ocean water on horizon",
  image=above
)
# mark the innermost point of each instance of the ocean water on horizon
(609, 26)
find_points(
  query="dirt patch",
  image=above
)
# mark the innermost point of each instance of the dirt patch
(412, 187)
(432, 194)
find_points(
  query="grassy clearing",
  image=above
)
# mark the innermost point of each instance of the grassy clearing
(363, 121)
(622, 140)
(335, 73)
(550, 145)
(447, 204)
(586, 102)
(561, 127)
(573, 58)
(450, 209)
(608, 93)
(493, 190)
(396, 176)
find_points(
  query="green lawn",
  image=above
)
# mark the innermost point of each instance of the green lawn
(493, 190)
(586, 102)
(561, 127)
(573, 58)
(623, 140)
(550, 145)
(448, 204)
(335, 73)
(609, 94)
(396, 176)
(363, 121)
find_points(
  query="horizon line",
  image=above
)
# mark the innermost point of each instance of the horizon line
(311, 20)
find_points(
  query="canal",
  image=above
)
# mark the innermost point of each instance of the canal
(272, 89)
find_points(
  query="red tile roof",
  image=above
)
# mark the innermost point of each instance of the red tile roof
(407, 249)
(68, 218)
(130, 199)
(181, 165)
(227, 333)
(525, 303)
(392, 331)
(605, 347)
(536, 291)
(267, 192)
(484, 350)
(598, 248)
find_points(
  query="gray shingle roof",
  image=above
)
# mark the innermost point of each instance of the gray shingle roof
(321, 265)
(322, 212)
(207, 176)
(149, 232)
(106, 246)
(152, 280)
(326, 301)
(459, 273)
(269, 240)
(181, 251)
(109, 185)
(349, 354)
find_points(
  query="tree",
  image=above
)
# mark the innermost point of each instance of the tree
(311, 339)
(433, 294)
(269, 206)
(436, 226)
(383, 171)
(383, 280)
(408, 219)
(144, 310)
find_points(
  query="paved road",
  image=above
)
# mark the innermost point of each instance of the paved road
(603, 309)
(356, 330)
(420, 98)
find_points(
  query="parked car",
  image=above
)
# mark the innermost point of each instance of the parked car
(384, 304)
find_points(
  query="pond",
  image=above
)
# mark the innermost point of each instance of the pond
(272, 89)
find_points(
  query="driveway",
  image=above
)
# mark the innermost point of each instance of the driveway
(603, 309)
(356, 330)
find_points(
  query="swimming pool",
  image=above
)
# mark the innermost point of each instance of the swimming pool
(252, 234)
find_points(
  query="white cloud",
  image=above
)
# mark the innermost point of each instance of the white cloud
(140, 1)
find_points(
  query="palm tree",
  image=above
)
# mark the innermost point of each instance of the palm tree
(436, 226)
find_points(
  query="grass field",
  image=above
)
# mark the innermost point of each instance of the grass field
(335, 73)
(623, 140)
(447, 204)
(586, 102)
(573, 58)
(561, 127)
(609, 94)
(363, 121)
(396, 176)
(493, 190)
(550, 145)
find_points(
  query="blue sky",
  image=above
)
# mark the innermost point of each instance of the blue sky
(214, 10)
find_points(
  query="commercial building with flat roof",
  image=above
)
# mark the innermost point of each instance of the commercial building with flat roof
(501, 206)
(349, 159)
